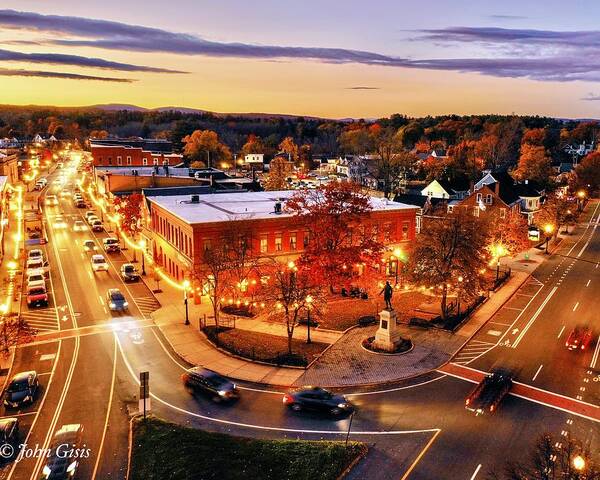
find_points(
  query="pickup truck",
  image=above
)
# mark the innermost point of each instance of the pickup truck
(129, 273)
(489, 393)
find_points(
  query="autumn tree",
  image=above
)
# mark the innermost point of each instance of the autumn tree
(203, 148)
(534, 136)
(129, 209)
(289, 147)
(357, 141)
(510, 232)
(451, 246)
(254, 144)
(334, 216)
(588, 173)
(99, 134)
(278, 174)
(534, 164)
(555, 212)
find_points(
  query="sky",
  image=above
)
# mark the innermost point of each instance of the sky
(326, 58)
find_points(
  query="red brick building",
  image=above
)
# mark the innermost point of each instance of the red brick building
(135, 152)
(182, 227)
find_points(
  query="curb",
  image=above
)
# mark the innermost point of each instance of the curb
(354, 462)
(130, 445)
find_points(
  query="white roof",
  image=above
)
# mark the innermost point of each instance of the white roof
(219, 207)
(3, 180)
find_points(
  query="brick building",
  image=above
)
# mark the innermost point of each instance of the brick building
(136, 152)
(182, 227)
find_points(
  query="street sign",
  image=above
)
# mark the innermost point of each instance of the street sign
(144, 401)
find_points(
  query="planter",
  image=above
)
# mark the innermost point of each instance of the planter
(404, 346)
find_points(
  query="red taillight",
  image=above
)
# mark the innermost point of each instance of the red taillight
(583, 347)
(185, 377)
(492, 408)
(467, 401)
(287, 399)
(567, 344)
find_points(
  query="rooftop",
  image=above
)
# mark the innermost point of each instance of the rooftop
(240, 206)
(149, 144)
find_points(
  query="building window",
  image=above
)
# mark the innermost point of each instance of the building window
(264, 244)
(475, 211)
(110, 160)
(387, 232)
(119, 160)
(99, 160)
(144, 161)
(488, 199)
(375, 231)
(207, 245)
(450, 208)
(418, 224)
(155, 161)
(479, 197)
(293, 241)
(306, 239)
(278, 242)
(128, 160)
(405, 229)
(503, 213)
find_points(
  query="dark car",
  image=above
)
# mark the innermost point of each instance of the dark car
(97, 226)
(65, 453)
(129, 273)
(21, 389)
(488, 394)
(111, 245)
(9, 432)
(317, 399)
(116, 300)
(579, 338)
(206, 381)
(80, 204)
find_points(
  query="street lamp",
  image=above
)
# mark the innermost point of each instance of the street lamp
(460, 280)
(143, 247)
(309, 300)
(186, 285)
(398, 254)
(548, 228)
(578, 463)
(580, 197)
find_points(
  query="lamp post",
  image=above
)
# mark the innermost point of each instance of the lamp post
(580, 197)
(143, 247)
(398, 254)
(186, 285)
(309, 300)
(548, 229)
(578, 464)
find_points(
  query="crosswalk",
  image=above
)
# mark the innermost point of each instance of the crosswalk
(41, 320)
(473, 350)
(147, 305)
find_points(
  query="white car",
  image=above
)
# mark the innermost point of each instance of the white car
(35, 265)
(79, 226)
(59, 222)
(36, 279)
(99, 263)
(35, 254)
(91, 219)
(51, 200)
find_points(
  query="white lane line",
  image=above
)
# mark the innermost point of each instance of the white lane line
(101, 300)
(537, 373)
(588, 283)
(105, 310)
(476, 472)
(561, 331)
(575, 307)
(534, 317)
(595, 356)
(584, 232)
(90, 274)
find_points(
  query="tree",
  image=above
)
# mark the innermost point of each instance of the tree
(334, 215)
(14, 331)
(449, 247)
(534, 136)
(129, 209)
(552, 459)
(278, 175)
(391, 160)
(291, 290)
(588, 172)
(254, 144)
(534, 164)
(289, 147)
(511, 233)
(203, 148)
(555, 212)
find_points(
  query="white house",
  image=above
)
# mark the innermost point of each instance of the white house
(251, 158)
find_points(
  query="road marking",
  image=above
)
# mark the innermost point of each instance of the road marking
(561, 331)
(101, 300)
(495, 333)
(90, 274)
(575, 307)
(48, 356)
(20, 414)
(595, 356)
(534, 317)
(476, 472)
(414, 464)
(588, 283)
(537, 373)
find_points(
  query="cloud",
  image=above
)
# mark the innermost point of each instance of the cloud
(62, 59)
(508, 17)
(591, 97)
(362, 88)
(10, 72)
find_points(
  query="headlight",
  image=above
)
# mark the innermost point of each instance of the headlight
(222, 393)
(112, 305)
(28, 398)
(343, 405)
(46, 471)
(125, 304)
(71, 468)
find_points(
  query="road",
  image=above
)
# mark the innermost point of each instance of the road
(418, 429)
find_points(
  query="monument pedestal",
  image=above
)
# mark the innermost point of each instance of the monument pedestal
(387, 336)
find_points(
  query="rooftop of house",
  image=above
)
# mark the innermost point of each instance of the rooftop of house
(157, 170)
(222, 207)
(149, 144)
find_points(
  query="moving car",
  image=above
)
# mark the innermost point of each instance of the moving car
(579, 338)
(97, 226)
(99, 263)
(65, 453)
(116, 301)
(111, 244)
(129, 273)
(488, 394)
(35, 254)
(21, 389)
(79, 226)
(37, 279)
(35, 265)
(317, 399)
(37, 296)
(89, 246)
(51, 200)
(59, 222)
(80, 203)
(206, 381)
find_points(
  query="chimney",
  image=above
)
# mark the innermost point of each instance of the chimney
(195, 198)
(497, 189)
(277, 207)
(471, 186)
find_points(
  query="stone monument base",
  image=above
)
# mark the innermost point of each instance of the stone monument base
(387, 337)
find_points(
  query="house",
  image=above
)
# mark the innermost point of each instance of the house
(426, 205)
(254, 160)
(455, 189)
(133, 152)
(489, 199)
(580, 150)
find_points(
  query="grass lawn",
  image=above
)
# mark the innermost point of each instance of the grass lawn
(163, 450)
(265, 347)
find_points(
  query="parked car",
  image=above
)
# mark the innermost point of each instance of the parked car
(99, 263)
(115, 300)
(37, 296)
(111, 245)
(35, 254)
(129, 273)
(51, 200)
(65, 453)
(488, 394)
(79, 226)
(97, 226)
(91, 218)
(9, 434)
(317, 399)
(36, 279)
(88, 214)
(206, 381)
(80, 203)
(579, 338)
(22, 389)
(59, 222)
(89, 246)
(35, 265)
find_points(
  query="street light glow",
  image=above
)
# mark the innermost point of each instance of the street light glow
(548, 228)
(578, 463)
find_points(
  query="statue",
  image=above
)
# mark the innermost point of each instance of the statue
(387, 291)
